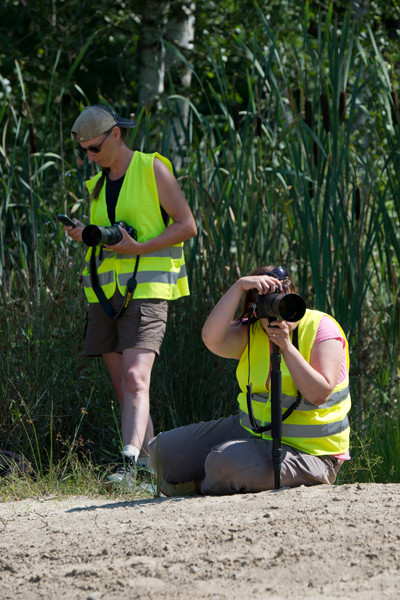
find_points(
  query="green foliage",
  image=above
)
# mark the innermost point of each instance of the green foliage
(75, 476)
(290, 155)
(33, 33)
(374, 455)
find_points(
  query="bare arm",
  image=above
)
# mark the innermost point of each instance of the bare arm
(220, 333)
(175, 205)
(315, 380)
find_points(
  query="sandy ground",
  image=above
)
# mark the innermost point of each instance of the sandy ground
(305, 543)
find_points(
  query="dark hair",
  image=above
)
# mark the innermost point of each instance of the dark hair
(250, 296)
(100, 182)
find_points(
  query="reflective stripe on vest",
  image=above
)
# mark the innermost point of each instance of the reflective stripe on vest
(287, 400)
(161, 273)
(164, 277)
(302, 431)
(175, 252)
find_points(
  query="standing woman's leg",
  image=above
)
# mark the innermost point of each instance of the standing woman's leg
(130, 376)
(113, 361)
(137, 365)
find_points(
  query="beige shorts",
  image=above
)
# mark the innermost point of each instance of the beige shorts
(142, 326)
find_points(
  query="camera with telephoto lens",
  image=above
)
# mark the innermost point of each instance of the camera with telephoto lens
(287, 307)
(95, 235)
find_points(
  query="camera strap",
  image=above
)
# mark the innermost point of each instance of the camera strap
(249, 393)
(130, 288)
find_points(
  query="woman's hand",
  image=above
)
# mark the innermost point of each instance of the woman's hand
(75, 232)
(264, 284)
(222, 335)
(127, 245)
(279, 332)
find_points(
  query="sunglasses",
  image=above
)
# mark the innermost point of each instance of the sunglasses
(95, 149)
(279, 273)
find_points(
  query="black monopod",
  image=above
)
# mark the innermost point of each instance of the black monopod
(276, 414)
(291, 308)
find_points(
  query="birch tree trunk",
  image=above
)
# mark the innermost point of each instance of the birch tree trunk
(152, 51)
(170, 21)
(180, 34)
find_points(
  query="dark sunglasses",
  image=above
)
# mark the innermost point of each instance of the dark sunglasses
(279, 273)
(95, 149)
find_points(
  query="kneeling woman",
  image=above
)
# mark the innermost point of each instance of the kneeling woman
(227, 456)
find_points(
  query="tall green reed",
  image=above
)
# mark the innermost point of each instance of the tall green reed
(42, 310)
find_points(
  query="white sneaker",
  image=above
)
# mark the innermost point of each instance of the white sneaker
(124, 472)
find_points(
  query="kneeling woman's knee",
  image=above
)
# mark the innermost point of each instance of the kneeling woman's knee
(156, 452)
(237, 467)
(224, 474)
(168, 457)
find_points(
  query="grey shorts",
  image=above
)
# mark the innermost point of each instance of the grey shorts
(228, 459)
(142, 326)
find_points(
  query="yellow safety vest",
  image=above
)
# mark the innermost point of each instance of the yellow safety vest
(317, 430)
(161, 274)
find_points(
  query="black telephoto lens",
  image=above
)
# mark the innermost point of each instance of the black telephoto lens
(94, 235)
(288, 307)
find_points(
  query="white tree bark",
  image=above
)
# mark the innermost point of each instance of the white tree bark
(180, 33)
(170, 21)
(152, 52)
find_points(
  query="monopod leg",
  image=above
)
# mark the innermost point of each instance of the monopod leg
(276, 414)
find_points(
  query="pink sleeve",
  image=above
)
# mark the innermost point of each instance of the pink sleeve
(328, 330)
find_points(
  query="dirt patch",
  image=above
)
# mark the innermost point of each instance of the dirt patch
(304, 543)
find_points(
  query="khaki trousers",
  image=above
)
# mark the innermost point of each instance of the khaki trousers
(227, 459)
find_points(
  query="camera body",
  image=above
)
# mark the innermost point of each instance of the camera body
(96, 235)
(287, 307)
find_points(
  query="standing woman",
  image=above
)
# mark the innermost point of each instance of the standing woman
(234, 454)
(128, 284)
